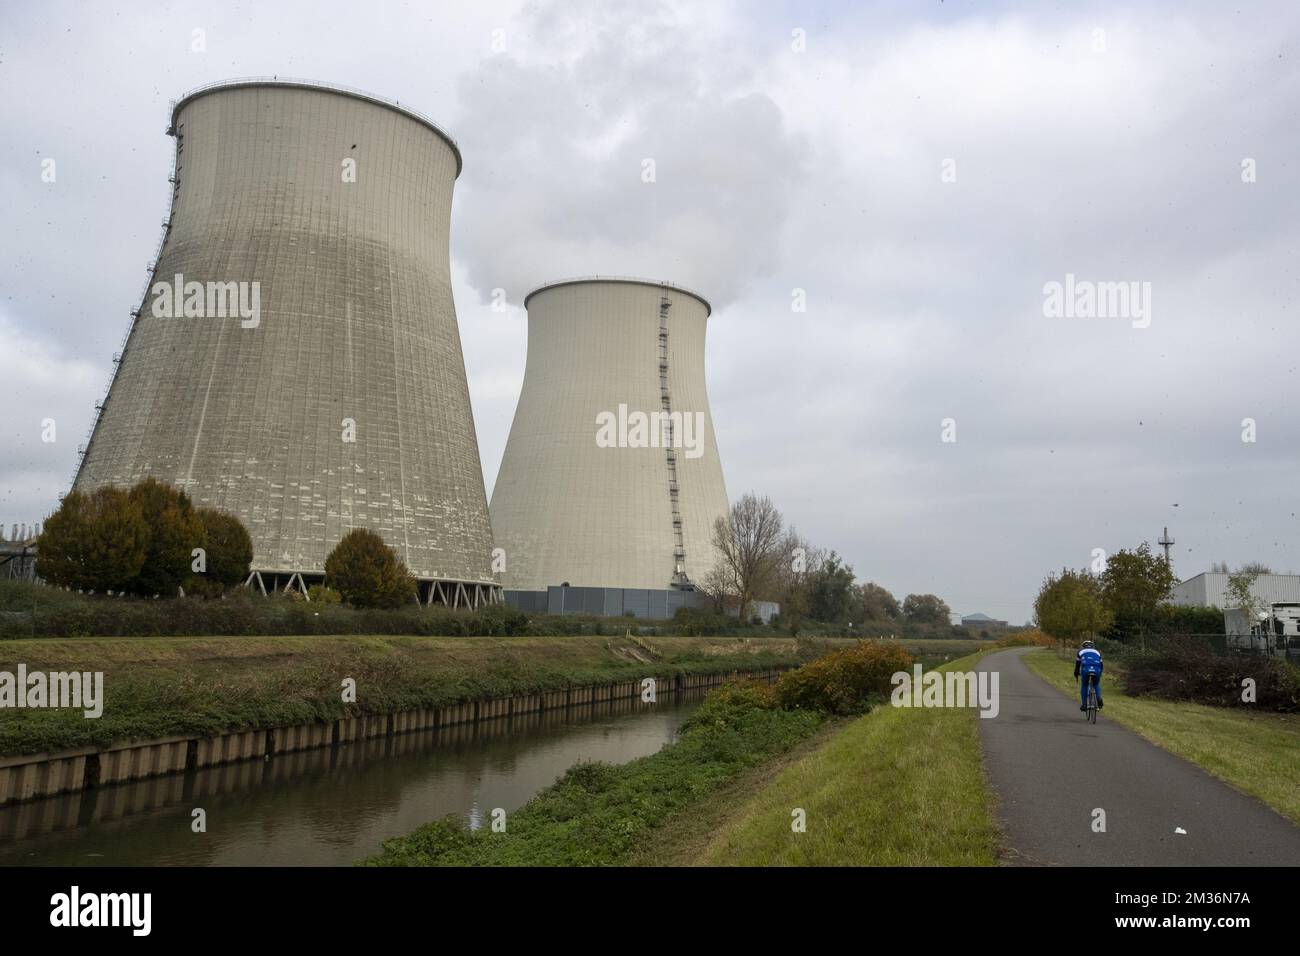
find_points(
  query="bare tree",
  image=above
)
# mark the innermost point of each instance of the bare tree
(750, 546)
(797, 564)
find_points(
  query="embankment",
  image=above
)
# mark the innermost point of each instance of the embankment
(40, 775)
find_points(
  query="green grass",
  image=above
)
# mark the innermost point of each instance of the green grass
(898, 787)
(683, 837)
(158, 687)
(1256, 752)
(598, 814)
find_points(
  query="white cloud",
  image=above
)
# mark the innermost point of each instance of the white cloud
(778, 170)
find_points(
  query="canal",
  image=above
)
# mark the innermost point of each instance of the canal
(333, 806)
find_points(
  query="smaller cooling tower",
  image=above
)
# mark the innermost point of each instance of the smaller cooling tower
(611, 476)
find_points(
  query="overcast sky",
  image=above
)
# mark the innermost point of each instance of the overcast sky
(921, 171)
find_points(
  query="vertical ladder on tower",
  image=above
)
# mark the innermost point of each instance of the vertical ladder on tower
(666, 400)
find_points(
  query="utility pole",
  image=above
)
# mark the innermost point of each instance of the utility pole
(1166, 542)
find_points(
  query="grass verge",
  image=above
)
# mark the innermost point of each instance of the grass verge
(1256, 752)
(898, 787)
(598, 814)
(157, 687)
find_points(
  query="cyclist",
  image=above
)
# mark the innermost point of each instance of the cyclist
(1088, 663)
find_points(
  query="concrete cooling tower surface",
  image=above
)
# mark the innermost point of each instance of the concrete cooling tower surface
(581, 497)
(343, 402)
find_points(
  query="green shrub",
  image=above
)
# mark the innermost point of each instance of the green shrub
(320, 594)
(731, 703)
(200, 586)
(843, 682)
(229, 549)
(502, 620)
(703, 622)
(174, 532)
(1167, 620)
(368, 573)
(95, 541)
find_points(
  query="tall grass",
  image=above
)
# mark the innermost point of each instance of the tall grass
(898, 787)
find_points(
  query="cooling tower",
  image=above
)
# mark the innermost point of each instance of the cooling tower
(296, 360)
(584, 495)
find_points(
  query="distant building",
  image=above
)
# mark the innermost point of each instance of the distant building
(653, 603)
(982, 622)
(1276, 631)
(1210, 589)
(656, 604)
(763, 610)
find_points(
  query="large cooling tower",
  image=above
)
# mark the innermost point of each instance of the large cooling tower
(343, 402)
(582, 498)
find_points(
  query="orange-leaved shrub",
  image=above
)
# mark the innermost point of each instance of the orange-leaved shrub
(1031, 638)
(844, 682)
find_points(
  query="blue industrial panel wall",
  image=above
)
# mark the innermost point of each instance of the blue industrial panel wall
(605, 602)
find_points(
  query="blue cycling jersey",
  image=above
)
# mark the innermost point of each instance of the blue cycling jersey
(1088, 661)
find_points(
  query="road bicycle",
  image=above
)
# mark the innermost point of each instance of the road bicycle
(1091, 713)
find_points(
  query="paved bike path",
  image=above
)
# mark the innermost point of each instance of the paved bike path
(1049, 769)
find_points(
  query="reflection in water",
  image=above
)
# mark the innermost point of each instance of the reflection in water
(333, 806)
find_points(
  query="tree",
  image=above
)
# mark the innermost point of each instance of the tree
(1134, 584)
(228, 548)
(832, 592)
(926, 609)
(367, 572)
(1072, 606)
(1255, 568)
(797, 569)
(94, 541)
(877, 603)
(174, 532)
(749, 542)
(1240, 595)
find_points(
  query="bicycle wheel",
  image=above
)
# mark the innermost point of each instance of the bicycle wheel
(1092, 704)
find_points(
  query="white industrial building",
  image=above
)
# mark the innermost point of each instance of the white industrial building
(1210, 589)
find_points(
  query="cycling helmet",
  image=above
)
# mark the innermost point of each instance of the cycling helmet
(1089, 644)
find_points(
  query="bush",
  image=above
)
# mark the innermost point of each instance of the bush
(1028, 638)
(1187, 669)
(229, 549)
(368, 573)
(731, 703)
(320, 594)
(502, 620)
(174, 532)
(141, 540)
(703, 622)
(200, 586)
(93, 542)
(1167, 620)
(844, 682)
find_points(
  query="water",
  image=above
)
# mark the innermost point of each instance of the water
(333, 806)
